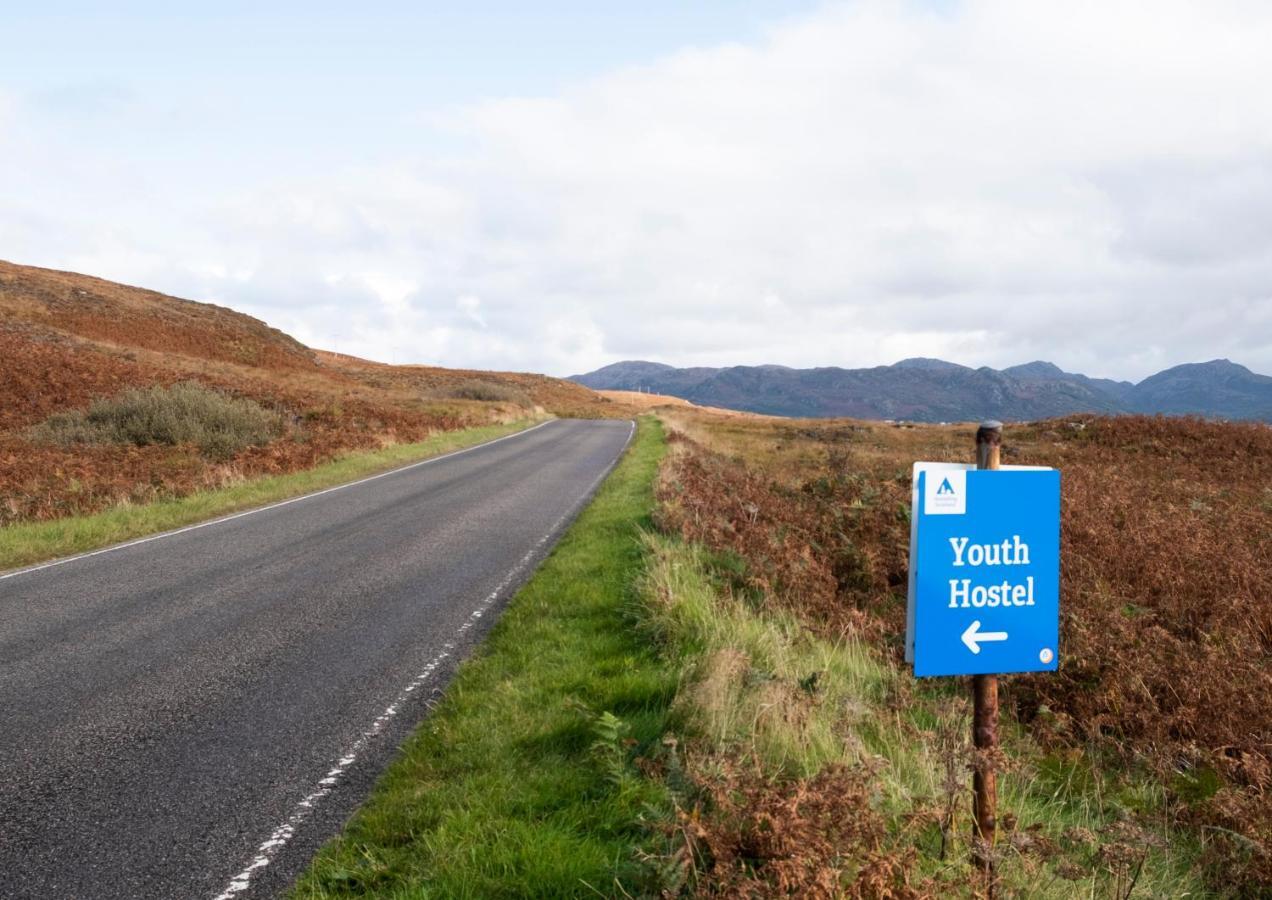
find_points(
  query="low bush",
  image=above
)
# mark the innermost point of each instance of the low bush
(477, 389)
(187, 413)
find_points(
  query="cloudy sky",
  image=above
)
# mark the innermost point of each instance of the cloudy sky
(552, 189)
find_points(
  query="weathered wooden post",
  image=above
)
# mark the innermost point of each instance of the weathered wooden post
(989, 437)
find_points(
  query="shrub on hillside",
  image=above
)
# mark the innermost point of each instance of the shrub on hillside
(477, 389)
(188, 413)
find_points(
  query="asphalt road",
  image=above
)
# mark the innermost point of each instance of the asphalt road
(194, 715)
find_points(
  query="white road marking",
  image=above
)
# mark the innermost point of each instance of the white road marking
(281, 835)
(258, 509)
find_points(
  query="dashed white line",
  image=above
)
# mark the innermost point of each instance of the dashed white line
(249, 512)
(281, 835)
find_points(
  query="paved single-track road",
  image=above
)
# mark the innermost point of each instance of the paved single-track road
(191, 716)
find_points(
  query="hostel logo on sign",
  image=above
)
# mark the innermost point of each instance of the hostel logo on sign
(946, 494)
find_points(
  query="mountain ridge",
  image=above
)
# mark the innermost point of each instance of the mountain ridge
(934, 390)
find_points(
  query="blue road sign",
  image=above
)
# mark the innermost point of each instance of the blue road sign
(985, 580)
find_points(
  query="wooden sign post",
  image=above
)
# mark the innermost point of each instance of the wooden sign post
(989, 438)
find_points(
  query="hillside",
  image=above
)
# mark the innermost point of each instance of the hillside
(933, 390)
(67, 340)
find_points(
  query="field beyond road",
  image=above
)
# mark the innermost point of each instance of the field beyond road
(652, 402)
(1145, 763)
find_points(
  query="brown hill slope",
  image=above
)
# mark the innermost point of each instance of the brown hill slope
(646, 401)
(67, 340)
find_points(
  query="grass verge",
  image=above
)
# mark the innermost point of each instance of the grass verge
(521, 783)
(34, 542)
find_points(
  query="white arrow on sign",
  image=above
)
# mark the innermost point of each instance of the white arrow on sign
(972, 636)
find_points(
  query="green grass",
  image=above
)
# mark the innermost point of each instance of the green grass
(743, 669)
(34, 542)
(521, 782)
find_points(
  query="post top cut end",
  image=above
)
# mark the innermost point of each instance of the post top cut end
(990, 433)
(989, 437)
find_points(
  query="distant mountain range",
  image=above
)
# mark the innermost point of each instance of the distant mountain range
(932, 390)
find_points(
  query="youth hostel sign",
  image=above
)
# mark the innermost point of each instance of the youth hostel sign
(984, 593)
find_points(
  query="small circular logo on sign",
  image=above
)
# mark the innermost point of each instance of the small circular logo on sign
(1046, 655)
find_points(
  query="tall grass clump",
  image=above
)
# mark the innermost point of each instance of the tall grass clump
(760, 683)
(187, 413)
(820, 770)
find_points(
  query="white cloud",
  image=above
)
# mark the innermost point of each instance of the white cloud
(1085, 182)
(470, 306)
